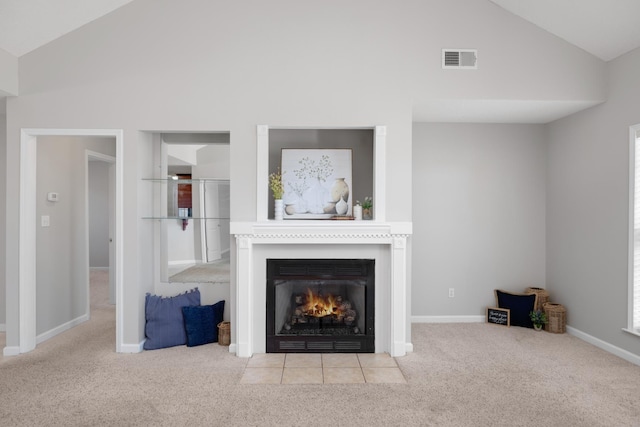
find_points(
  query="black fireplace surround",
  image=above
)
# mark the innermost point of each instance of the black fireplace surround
(320, 306)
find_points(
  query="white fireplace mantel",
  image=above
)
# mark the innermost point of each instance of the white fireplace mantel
(384, 241)
(323, 232)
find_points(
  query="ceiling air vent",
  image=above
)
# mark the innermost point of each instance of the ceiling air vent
(460, 59)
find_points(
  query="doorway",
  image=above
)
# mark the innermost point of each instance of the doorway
(28, 229)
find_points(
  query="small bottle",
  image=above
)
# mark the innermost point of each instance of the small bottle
(357, 212)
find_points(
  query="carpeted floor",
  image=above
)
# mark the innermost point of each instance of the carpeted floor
(458, 375)
(212, 272)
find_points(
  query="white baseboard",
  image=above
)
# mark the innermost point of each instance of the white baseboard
(232, 348)
(62, 328)
(409, 347)
(449, 319)
(3, 327)
(99, 268)
(620, 352)
(132, 348)
(183, 262)
(11, 351)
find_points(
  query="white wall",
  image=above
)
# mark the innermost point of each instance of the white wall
(203, 65)
(479, 214)
(184, 153)
(61, 255)
(588, 207)
(213, 162)
(98, 214)
(8, 74)
(181, 243)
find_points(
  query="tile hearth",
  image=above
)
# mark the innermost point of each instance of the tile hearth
(326, 368)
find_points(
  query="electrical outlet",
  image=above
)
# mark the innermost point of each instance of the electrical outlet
(451, 293)
(44, 220)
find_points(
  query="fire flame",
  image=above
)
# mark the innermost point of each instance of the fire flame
(320, 306)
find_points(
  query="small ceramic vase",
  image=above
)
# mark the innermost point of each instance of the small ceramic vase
(278, 210)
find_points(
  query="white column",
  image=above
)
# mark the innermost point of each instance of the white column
(398, 344)
(262, 173)
(244, 297)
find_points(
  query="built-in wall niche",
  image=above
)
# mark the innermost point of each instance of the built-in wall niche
(192, 208)
(361, 142)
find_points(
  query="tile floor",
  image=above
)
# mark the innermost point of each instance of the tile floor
(327, 368)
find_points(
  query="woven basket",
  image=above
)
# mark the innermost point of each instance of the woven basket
(557, 317)
(224, 333)
(543, 297)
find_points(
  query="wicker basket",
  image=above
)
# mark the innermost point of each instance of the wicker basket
(557, 317)
(543, 297)
(224, 333)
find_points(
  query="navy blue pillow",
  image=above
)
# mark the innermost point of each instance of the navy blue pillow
(201, 323)
(519, 304)
(164, 322)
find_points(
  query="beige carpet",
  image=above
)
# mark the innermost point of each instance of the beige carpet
(213, 272)
(458, 375)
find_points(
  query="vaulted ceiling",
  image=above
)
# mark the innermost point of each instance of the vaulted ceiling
(26, 25)
(605, 28)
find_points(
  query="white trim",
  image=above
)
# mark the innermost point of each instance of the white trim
(248, 235)
(100, 268)
(99, 156)
(617, 351)
(11, 351)
(88, 156)
(633, 132)
(27, 262)
(62, 328)
(449, 319)
(632, 331)
(204, 255)
(3, 327)
(132, 348)
(379, 173)
(262, 172)
(409, 347)
(232, 348)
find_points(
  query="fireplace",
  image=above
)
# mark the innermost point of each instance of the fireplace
(320, 305)
(384, 242)
(388, 243)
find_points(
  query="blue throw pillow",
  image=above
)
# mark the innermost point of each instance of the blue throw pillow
(164, 322)
(201, 323)
(519, 304)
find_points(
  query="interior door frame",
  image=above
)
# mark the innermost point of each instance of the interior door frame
(28, 216)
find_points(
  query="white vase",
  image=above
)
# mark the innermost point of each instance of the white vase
(342, 207)
(278, 210)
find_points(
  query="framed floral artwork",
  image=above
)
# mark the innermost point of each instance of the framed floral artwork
(316, 183)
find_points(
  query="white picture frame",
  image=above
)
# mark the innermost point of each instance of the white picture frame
(317, 183)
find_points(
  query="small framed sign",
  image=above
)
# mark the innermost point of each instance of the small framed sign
(499, 316)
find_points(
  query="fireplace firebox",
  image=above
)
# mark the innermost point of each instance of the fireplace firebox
(320, 306)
